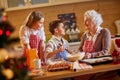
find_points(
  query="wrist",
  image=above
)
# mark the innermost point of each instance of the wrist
(58, 50)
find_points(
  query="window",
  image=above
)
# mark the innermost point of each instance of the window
(39, 1)
(15, 3)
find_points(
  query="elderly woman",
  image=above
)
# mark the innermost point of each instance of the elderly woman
(96, 40)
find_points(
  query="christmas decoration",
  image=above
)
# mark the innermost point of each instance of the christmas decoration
(12, 67)
(5, 29)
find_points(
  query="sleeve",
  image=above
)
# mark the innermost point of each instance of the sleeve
(42, 34)
(49, 47)
(23, 35)
(105, 44)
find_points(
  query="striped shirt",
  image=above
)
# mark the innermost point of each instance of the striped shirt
(53, 44)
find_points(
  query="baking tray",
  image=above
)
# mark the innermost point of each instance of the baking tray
(98, 60)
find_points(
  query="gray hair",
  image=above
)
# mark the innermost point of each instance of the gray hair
(94, 16)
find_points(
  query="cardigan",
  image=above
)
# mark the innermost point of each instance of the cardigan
(101, 45)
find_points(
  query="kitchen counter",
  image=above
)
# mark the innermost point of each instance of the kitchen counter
(69, 73)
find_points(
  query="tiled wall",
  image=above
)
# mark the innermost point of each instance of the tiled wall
(110, 10)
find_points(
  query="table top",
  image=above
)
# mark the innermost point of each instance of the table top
(70, 73)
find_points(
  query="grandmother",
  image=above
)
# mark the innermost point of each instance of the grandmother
(96, 40)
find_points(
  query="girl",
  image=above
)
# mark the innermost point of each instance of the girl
(32, 33)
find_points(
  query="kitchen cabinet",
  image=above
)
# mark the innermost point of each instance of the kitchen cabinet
(26, 4)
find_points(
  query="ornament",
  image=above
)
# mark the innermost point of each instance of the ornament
(3, 54)
(8, 73)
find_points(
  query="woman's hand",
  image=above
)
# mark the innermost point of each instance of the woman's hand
(87, 55)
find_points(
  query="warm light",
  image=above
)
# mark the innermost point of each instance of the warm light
(6, 57)
(8, 73)
(1, 31)
(7, 33)
(4, 16)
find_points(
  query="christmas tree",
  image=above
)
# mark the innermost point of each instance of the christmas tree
(11, 67)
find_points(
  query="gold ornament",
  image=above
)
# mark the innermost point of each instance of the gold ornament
(8, 73)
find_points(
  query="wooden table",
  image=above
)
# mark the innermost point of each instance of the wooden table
(70, 73)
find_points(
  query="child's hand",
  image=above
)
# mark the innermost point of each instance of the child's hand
(61, 48)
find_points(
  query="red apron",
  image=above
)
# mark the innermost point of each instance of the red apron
(88, 46)
(35, 42)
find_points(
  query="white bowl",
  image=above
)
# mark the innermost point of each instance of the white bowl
(75, 57)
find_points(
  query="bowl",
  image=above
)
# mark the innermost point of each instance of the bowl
(75, 57)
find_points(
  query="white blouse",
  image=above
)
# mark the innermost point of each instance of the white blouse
(93, 38)
(25, 32)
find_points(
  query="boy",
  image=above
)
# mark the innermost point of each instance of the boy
(57, 46)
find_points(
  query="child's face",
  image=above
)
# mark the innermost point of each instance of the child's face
(39, 24)
(61, 30)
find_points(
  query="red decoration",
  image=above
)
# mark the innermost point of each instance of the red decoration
(116, 52)
(7, 33)
(4, 18)
(117, 41)
(1, 31)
